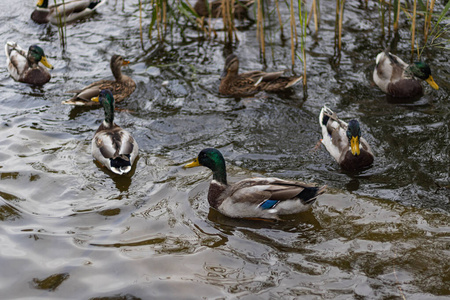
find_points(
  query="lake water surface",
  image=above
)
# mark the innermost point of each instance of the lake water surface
(71, 230)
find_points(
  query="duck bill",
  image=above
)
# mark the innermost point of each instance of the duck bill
(95, 99)
(432, 83)
(46, 63)
(125, 62)
(354, 144)
(193, 164)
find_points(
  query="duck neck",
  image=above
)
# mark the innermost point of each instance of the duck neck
(109, 116)
(409, 73)
(220, 173)
(117, 72)
(42, 4)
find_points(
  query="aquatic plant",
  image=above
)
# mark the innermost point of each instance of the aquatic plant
(62, 25)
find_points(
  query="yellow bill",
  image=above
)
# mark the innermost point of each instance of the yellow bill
(195, 163)
(125, 62)
(46, 63)
(95, 99)
(40, 2)
(354, 144)
(432, 83)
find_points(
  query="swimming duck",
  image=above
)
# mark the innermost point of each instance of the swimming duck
(240, 8)
(113, 146)
(24, 66)
(121, 88)
(71, 11)
(344, 141)
(398, 79)
(265, 198)
(250, 83)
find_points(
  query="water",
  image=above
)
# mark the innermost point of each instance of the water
(72, 230)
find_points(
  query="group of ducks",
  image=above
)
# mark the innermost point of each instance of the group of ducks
(261, 198)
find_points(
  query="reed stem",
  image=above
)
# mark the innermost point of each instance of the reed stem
(260, 28)
(291, 9)
(396, 14)
(341, 17)
(413, 28)
(430, 8)
(140, 24)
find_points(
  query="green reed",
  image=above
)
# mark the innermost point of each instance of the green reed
(62, 26)
(303, 20)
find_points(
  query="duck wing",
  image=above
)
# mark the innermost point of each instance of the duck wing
(258, 190)
(16, 59)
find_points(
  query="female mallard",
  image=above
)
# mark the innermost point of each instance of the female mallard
(121, 88)
(113, 146)
(250, 83)
(254, 197)
(398, 79)
(344, 142)
(66, 12)
(24, 66)
(240, 8)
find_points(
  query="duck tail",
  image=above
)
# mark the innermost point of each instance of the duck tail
(122, 160)
(325, 115)
(310, 194)
(94, 4)
(294, 81)
(9, 46)
(121, 164)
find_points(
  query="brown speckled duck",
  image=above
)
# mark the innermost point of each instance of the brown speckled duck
(250, 83)
(24, 66)
(266, 198)
(61, 13)
(398, 79)
(121, 88)
(344, 141)
(240, 8)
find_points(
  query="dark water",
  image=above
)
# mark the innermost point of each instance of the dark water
(70, 230)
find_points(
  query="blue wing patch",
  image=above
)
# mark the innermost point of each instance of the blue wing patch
(268, 204)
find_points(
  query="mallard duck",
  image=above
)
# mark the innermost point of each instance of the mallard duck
(398, 79)
(240, 8)
(24, 66)
(265, 198)
(66, 12)
(344, 141)
(113, 146)
(250, 83)
(121, 88)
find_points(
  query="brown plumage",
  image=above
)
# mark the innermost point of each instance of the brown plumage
(250, 83)
(122, 87)
(240, 8)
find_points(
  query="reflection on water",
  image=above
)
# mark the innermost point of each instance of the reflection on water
(77, 231)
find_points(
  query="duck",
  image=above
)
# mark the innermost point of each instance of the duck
(344, 142)
(113, 146)
(71, 11)
(398, 79)
(122, 87)
(254, 198)
(240, 8)
(250, 83)
(24, 66)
